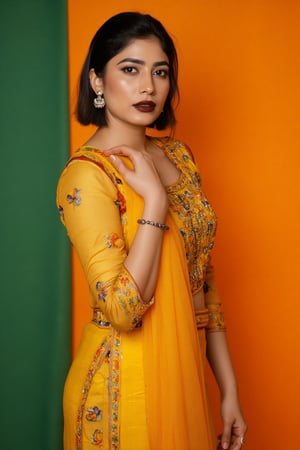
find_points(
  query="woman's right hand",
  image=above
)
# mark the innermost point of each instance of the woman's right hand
(143, 258)
(143, 178)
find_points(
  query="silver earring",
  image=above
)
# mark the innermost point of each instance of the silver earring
(99, 101)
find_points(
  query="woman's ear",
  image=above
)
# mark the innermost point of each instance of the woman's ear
(96, 82)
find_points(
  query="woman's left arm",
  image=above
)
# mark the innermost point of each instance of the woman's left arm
(220, 361)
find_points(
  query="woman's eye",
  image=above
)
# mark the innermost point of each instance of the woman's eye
(129, 69)
(161, 73)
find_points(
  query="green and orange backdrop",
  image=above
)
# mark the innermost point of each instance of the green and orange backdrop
(239, 112)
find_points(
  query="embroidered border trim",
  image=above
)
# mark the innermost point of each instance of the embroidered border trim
(216, 320)
(114, 392)
(98, 359)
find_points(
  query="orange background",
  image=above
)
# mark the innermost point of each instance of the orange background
(239, 112)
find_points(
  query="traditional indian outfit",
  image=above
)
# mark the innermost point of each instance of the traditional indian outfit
(138, 379)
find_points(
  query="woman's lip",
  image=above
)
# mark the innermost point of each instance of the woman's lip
(145, 106)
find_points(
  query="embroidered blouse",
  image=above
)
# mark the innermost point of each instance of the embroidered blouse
(92, 200)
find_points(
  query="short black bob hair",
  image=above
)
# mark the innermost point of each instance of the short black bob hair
(112, 37)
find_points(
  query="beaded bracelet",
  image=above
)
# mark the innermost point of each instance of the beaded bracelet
(161, 226)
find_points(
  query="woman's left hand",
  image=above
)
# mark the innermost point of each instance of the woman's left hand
(233, 436)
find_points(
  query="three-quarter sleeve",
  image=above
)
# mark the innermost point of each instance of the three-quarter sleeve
(216, 321)
(89, 205)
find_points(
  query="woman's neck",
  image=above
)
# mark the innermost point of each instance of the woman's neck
(108, 137)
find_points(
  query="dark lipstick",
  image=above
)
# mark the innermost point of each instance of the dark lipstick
(145, 106)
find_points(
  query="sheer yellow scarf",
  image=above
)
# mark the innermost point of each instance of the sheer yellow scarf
(176, 399)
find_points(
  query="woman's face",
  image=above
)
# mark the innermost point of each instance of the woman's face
(136, 83)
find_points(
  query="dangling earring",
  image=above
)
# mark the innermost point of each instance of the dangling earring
(99, 101)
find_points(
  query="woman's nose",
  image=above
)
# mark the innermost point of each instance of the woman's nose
(146, 85)
(147, 90)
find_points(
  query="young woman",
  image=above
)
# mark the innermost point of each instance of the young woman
(136, 214)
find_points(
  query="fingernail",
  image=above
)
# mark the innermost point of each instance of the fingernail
(225, 445)
(112, 157)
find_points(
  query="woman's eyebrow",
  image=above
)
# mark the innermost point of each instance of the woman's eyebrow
(139, 61)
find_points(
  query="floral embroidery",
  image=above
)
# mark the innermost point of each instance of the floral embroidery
(114, 391)
(91, 154)
(93, 414)
(98, 359)
(102, 290)
(74, 197)
(120, 202)
(100, 320)
(61, 212)
(216, 320)
(191, 211)
(107, 357)
(124, 281)
(108, 352)
(97, 438)
(111, 240)
(125, 292)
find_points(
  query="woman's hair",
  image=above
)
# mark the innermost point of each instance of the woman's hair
(111, 38)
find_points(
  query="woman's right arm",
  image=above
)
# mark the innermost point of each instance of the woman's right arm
(144, 256)
(122, 284)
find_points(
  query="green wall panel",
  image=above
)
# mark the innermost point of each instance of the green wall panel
(35, 260)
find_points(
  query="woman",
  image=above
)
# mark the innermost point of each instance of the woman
(143, 230)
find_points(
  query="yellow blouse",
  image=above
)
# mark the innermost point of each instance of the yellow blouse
(92, 204)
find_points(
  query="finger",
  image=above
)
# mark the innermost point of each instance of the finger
(120, 150)
(132, 154)
(238, 438)
(118, 164)
(238, 435)
(226, 436)
(238, 443)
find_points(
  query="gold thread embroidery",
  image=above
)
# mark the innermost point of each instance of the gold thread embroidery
(114, 392)
(216, 321)
(98, 359)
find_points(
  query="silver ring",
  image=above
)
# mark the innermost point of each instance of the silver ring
(243, 440)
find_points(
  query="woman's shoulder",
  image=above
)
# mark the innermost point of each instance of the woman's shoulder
(88, 163)
(87, 154)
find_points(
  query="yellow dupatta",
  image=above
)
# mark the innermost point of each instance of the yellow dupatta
(176, 398)
(177, 408)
